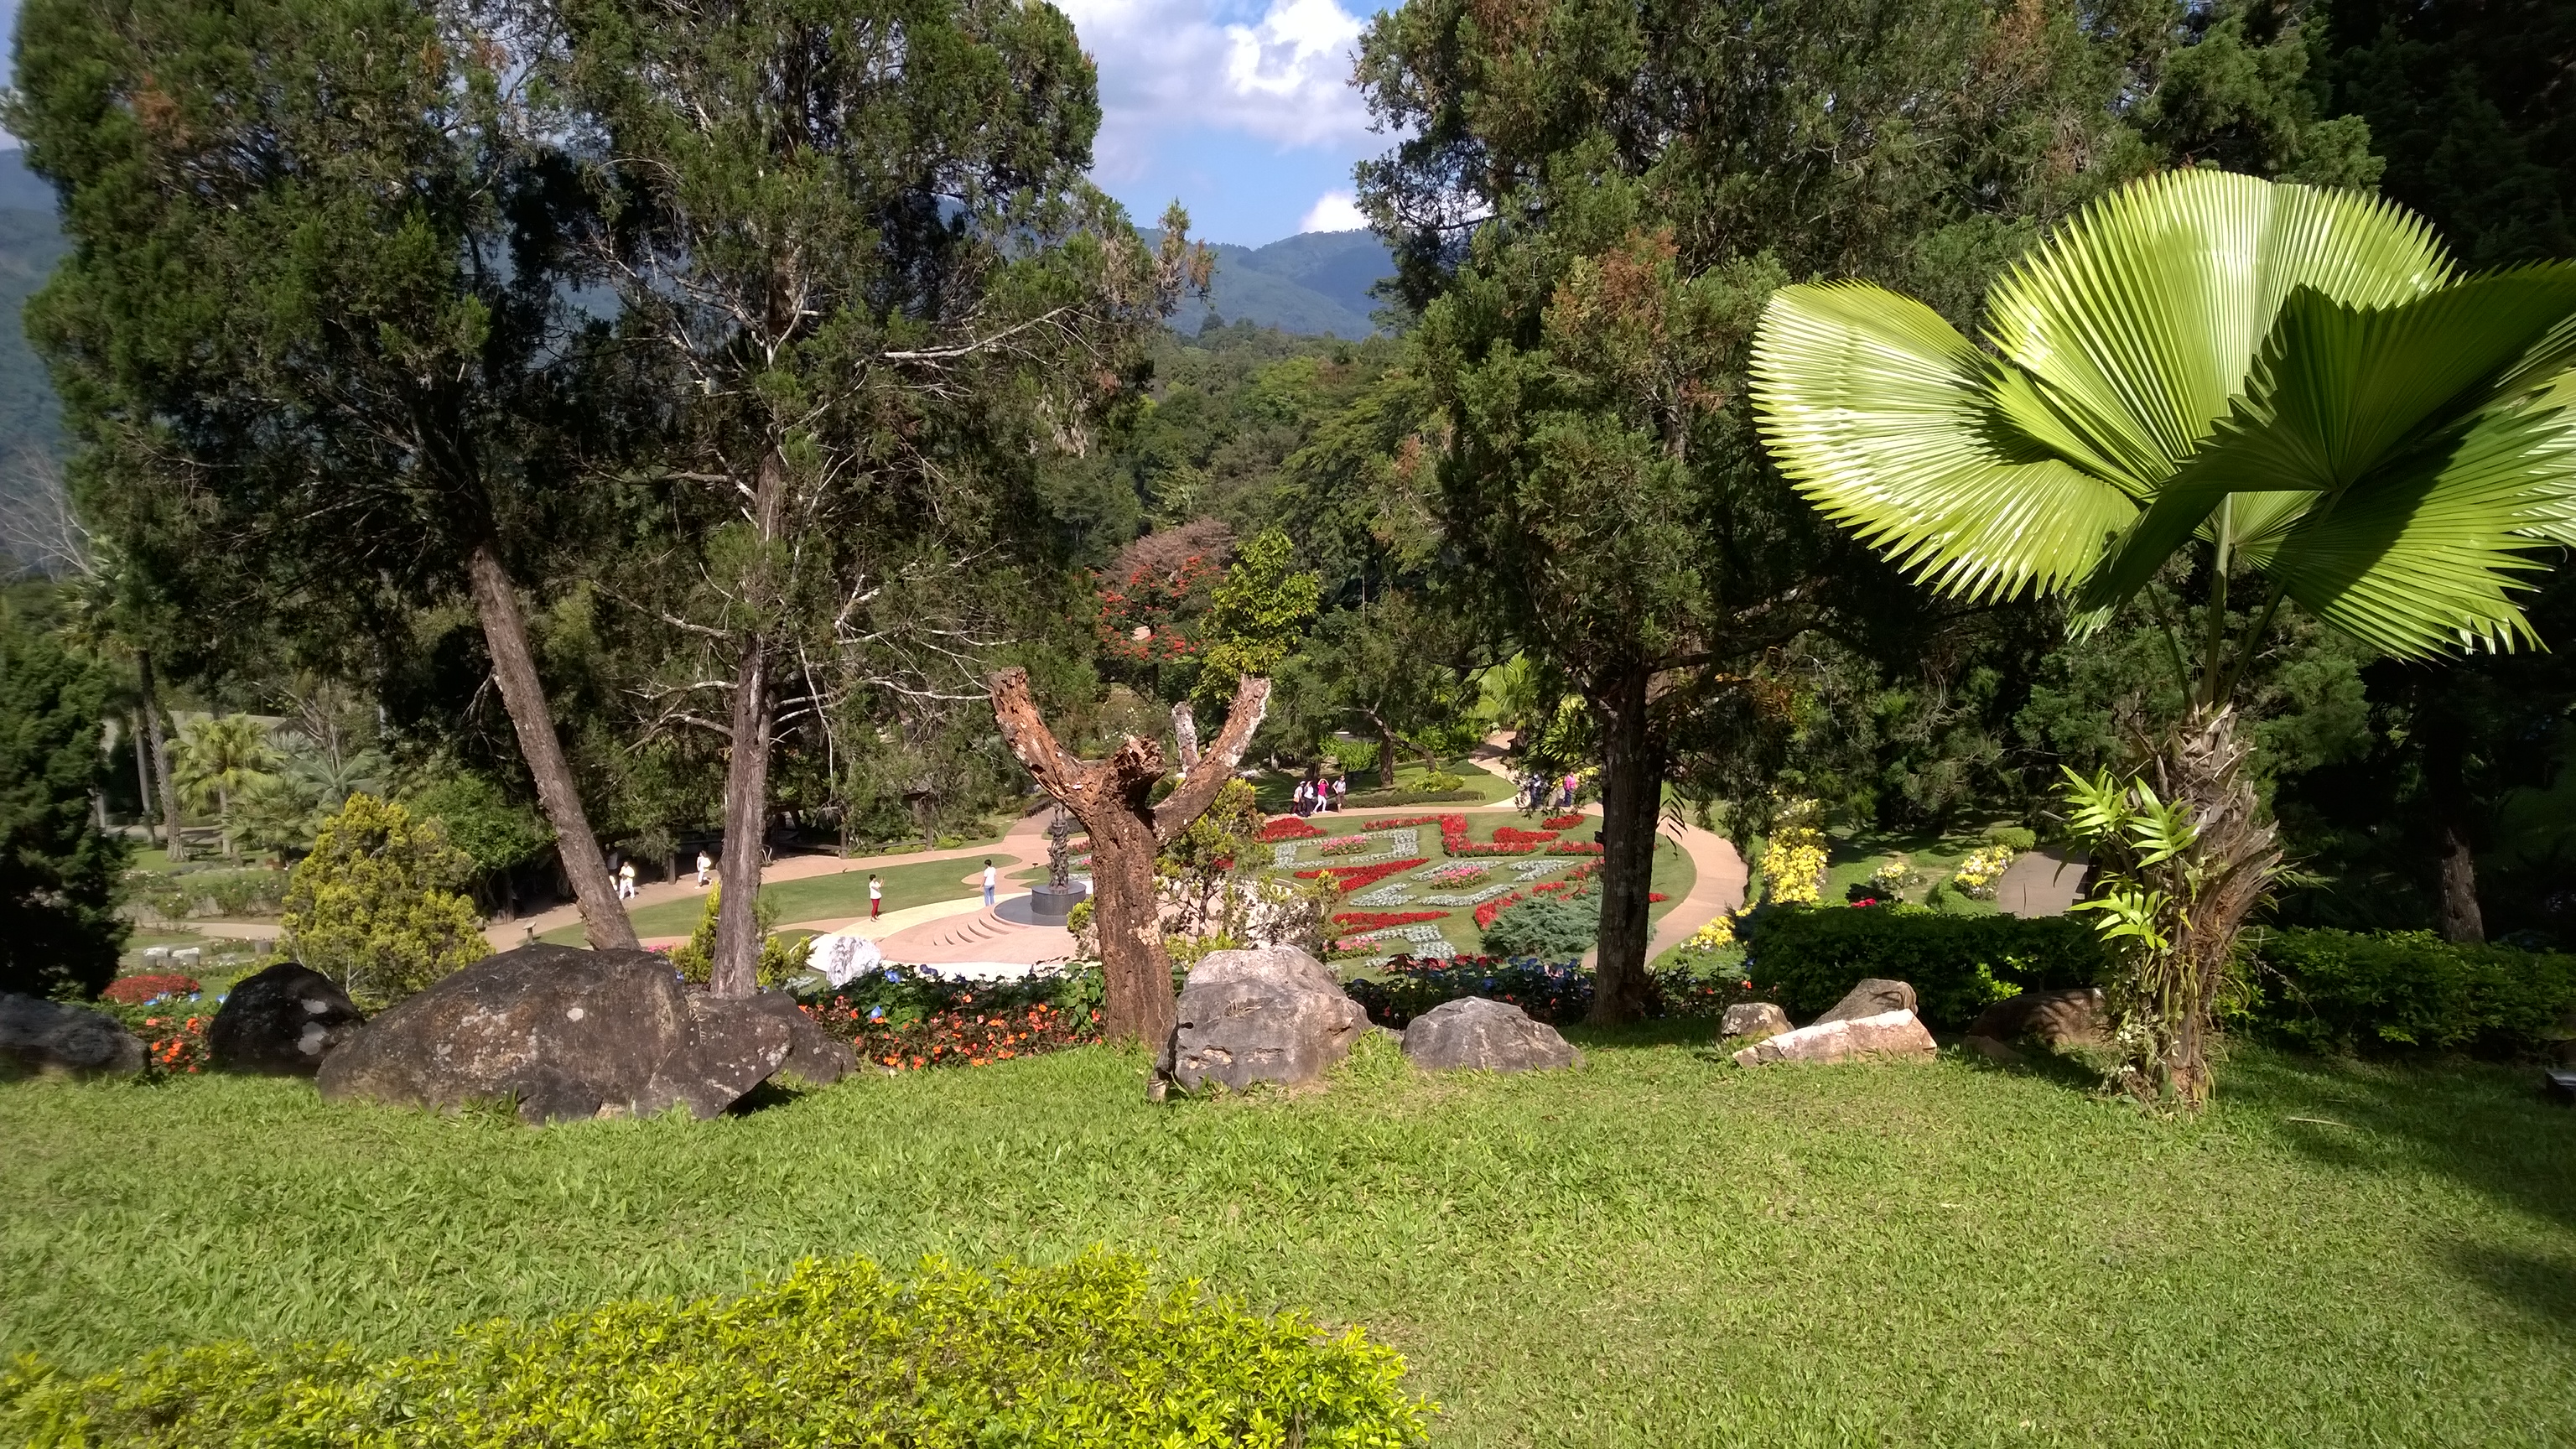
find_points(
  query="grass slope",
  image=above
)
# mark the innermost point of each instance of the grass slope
(1654, 1249)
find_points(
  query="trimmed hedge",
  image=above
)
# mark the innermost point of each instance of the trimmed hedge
(835, 1353)
(2344, 994)
(1807, 957)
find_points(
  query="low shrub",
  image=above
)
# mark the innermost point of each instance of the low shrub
(2343, 993)
(173, 1028)
(1557, 926)
(1808, 958)
(1379, 799)
(1560, 993)
(1089, 1353)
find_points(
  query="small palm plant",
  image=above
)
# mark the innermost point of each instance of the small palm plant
(2291, 389)
(220, 758)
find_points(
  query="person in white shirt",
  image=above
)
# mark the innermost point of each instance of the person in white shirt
(626, 881)
(876, 896)
(706, 864)
(992, 878)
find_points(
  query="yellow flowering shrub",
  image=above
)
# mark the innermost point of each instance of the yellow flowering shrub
(1793, 863)
(1977, 875)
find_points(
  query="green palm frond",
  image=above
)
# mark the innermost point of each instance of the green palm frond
(2292, 375)
(1884, 416)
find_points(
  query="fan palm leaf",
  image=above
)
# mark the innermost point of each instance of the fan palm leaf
(2295, 377)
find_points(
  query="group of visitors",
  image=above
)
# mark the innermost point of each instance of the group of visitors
(1536, 791)
(1315, 795)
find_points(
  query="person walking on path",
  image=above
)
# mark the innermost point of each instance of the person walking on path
(876, 896)
(992, 878)
(705, 865)
(626, 881)
(1341, 793)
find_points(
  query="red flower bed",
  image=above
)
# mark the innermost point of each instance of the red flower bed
(1513, 835)
(137, 990)
(1379, 920)
(963, 1037)
(1404, 820)
(1575, 847)
(1286, 827)
(1357, 876)
(1563, 822)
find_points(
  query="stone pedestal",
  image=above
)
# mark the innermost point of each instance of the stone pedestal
(1051, 905)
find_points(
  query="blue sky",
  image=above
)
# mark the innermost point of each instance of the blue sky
(1242, 109)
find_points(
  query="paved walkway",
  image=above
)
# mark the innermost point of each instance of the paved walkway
(2040, 883)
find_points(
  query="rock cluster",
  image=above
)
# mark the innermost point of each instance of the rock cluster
(1474, 1034)
(47, 1038)
(1874, 1019)
(568, 1033)
(281, 1022)
(1269, 1015)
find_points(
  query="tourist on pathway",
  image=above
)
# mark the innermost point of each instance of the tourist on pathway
(1341, 794)
(876, 896)
(706, 864)
(1303, 802)
(626, 881)
(1567, 803)
(991, 878)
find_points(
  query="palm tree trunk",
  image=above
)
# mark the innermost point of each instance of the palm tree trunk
(514, 668)
(142, 769)
(169, 789)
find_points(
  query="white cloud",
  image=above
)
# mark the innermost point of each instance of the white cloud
(1334, 211)
(1169, 67)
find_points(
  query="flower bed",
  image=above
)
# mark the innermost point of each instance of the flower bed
(1563, 822)
(1453, 839)
(1575, 847)
(1353, 879)
(1377, 920)
(1399, 822)
(1514, 835)
(1346, 845)
(144, 990)
(1286, 827)
(964, 1036)
(1458, 875)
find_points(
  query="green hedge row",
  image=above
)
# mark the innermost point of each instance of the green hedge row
(2343, 993)
(835, 1353)
(1807, 957)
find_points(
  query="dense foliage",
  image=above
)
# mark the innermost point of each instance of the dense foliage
(1090, 1353)
(1561, 992)
(377, 905)
(1807, 958)
(1556, 926)
(58, 870)
(2345, 992)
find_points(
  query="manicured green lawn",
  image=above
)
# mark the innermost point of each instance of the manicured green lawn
(1655, 1249)
(815, 898)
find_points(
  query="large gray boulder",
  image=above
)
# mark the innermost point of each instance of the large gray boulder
(566, 1033)
(1872, 996)
(1271, 1015)
(812, 1056)
(1474, 1034)
(1888, 1034)
(281, 1022)
(2076, 1017)
(49, 1039)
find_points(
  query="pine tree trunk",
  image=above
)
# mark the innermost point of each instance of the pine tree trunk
(2462, 920)
(736, 968)
(1631, 807)
(514, 668)
(169, 789)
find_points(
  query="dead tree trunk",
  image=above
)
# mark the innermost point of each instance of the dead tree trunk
(1113, 798)
(514, 668)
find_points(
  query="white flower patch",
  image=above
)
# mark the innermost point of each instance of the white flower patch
(1470, 898)
(1284, 853)
(1380, 897)
(1530, 870)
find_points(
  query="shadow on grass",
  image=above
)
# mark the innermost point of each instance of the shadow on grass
(2543, 1287)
